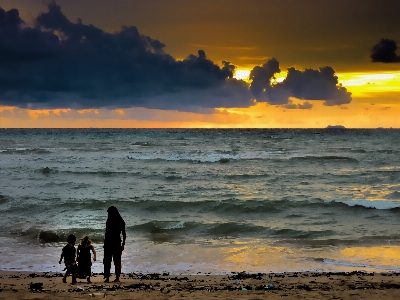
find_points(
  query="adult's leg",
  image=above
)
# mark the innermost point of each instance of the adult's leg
(107, 263)
(117, 262)
(117, 272)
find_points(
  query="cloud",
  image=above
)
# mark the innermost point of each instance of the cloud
(305, 105)
(385, 51)
(261, 77)
(61, 64)
(309, 84)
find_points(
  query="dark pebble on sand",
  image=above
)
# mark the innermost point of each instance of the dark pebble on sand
(38, 286)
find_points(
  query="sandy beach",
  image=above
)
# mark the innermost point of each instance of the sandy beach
(302, 285)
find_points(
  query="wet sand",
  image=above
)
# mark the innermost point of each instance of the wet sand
(301, 285)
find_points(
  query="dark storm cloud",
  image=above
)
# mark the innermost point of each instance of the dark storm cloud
(385, 51)
(261, 77)
(309, 84)
(60, 64)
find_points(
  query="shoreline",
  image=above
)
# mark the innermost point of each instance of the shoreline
(299, 285)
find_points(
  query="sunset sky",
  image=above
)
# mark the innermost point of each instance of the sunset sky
(204, 64)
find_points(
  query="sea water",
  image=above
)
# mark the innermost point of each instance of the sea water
(204, 200)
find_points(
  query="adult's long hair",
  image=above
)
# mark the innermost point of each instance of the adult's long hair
(113, 216)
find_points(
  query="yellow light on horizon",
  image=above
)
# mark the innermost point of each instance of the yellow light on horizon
(362, 83)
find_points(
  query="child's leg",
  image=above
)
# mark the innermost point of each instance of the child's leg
(74, 269)
(65, 276)
(89, 273)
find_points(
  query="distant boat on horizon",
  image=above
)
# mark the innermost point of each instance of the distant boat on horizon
(335, 127)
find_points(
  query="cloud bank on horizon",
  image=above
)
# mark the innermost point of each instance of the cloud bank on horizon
(61, 64)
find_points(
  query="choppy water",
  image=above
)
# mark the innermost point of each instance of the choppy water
(204, 200)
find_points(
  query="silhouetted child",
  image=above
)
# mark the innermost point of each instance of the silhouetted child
(69, 254)
(85, 259)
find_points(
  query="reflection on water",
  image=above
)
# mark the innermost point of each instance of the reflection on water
(256, 258)
(370, 192)
(234, 256)
(283, 259)
(386, 257)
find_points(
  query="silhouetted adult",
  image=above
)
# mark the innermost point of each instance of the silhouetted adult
(113, 247)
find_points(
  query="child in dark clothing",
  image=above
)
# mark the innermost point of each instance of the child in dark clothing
(69, 254)
(85, 259)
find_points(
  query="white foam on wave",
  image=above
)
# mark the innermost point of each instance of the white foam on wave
(176, 225)
(377, 204)
(358, 266)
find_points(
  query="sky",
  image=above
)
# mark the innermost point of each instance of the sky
(199, 64)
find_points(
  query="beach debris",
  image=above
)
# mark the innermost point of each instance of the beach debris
(139, 286)
(79, 289)
(37, 286)
(304, 287)
(243, 275)
(97, 295)
(153, 276)
(270, 286)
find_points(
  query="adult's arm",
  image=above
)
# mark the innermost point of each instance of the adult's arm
(123, 236)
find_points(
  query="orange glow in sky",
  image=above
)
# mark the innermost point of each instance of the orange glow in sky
(230, 38)
(375, 104)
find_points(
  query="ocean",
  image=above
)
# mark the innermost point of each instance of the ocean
(204, 200)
